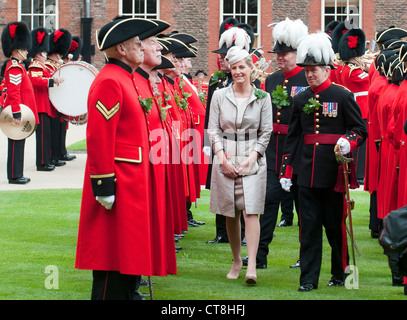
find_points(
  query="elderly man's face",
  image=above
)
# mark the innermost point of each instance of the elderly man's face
(152, 52)
(286, 61)
(132, 51)
(316, 75)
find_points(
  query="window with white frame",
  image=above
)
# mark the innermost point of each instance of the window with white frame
(245, 11)
(147, 9)
(349, 11)
(39, 13)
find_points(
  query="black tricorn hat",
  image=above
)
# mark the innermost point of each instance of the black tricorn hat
(352, 44)
(155, 30)
(59, 42)
(165, 64)
(184, 37)
(393, 44)
(40, 41)
(403, 53)
(15, 35)
(121, 29)
(382, 57)
(75, 49)
(172, 45)
(390, 33)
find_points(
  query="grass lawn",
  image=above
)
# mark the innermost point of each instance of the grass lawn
(39, 229)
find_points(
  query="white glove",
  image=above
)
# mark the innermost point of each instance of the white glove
(207, 151)
(106, 201)
(344, 146)
(286, 184)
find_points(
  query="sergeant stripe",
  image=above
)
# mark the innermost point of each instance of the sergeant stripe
(107, 114)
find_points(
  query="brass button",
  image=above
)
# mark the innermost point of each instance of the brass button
(279, 113)
(317, 114)
(316, 132)
(317, 143)
(99, 182)
(317, 96)
(317, 120)
(278, 121)
(317, 126)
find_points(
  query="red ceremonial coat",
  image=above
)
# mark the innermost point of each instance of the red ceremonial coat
(357, 81)
(198, 115)
(19, 88)
(52, 67)
(40, 77)
(399, 139)
(386, 158)
(159, 144)
(128, 238)
(372, 154)
(180, 170)
(187, 141)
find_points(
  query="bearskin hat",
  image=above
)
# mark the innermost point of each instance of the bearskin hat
(15, 35)
(75, 49)
(59, 42)
(337, 34)
(40, 41)
(352, 44)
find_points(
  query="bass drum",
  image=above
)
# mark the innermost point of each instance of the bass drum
(70, 97)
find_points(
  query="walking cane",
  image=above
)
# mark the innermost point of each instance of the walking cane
(349, 203)
(150, 286)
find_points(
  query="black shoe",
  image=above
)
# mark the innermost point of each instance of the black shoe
(218, 239)
(306, 287)
(285, 223)
(296, 265)
(22, 180)
(58, 163)
(336, 282)
(258, 265)
(68, 157)
(46, 167)
(374, 234)
(191, 223)
(199, 223)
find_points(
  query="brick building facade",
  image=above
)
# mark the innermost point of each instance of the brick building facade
(200, 18)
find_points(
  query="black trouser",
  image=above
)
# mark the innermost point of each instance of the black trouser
(275, 196)
(373, 220)
(15, 159)
(359, 154)
(321, 208)
(58, 137)
(43, 140)
(112, 285)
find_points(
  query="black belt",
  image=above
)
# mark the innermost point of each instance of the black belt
(237, 136)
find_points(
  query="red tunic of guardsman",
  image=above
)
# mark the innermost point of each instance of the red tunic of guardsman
(159, 144)
(129, 237)
(384, 112)
(180, 170)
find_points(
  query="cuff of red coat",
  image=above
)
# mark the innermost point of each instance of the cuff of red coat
(103, 185)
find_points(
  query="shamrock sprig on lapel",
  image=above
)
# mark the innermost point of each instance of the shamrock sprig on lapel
(311, 106)
(280, 97)
(146, 104)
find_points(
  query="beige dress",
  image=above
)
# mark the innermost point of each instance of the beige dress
(241, 104)
(238, 128)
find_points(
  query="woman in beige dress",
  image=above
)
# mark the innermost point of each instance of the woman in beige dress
(239, 130)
